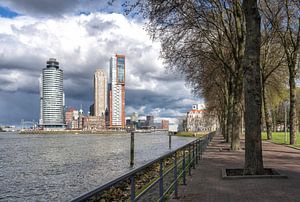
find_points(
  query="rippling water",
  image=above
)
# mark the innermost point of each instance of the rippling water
(62, 167)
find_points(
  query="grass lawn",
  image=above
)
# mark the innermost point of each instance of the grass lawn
(281, 138)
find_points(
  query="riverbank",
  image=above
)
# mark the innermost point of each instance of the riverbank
(65, 132)
(44, 132)
(191, 134)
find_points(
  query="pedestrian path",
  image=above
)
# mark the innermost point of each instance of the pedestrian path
(206, 183)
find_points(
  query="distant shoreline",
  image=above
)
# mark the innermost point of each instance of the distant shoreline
(42, 132)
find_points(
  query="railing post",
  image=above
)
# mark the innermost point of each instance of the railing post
(194, 155)
(201, 148)
(161, 182)
(189, 159)
(183, 167)
(132, 149)
(175, 176)
(196, 151)
(132, 188)
(170, 140)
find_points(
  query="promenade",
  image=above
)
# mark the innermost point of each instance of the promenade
(206, 183)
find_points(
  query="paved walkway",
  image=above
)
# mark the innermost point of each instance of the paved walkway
(206, 183)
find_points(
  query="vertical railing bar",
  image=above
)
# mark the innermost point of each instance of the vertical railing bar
(193, 155)
(175, 176)
(184, 168)
(189, 159)
(201, 149)
(161, 185)
(132, 188)
(170, 140)
(196, 151)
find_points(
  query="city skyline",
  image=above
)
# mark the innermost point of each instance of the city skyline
(82, 43)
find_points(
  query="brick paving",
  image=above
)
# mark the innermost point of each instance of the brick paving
(206, 183)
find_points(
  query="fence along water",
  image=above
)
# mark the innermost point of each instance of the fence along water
(182, 160)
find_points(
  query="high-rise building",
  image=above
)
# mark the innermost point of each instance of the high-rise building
(150, 120)
(41, 99)
(100, 88)
(116, 89)
(52, 96)
(92, 110)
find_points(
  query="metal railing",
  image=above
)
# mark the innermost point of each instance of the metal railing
(184, 158)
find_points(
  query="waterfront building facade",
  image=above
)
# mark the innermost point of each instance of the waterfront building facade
(198, 119)
(165, 124)
(93, 123)
(52, 96)
(72, 118)
(100, 89)
(150, 121)
(116, 92)
(195, 120)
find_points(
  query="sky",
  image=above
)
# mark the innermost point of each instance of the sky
(82, 35)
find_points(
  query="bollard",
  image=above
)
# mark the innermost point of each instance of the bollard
(170, 139)
(132, 149)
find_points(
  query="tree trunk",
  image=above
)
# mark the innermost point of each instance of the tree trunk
(267, 115)
(229, 113)
(252, 90)
(274, 122)
(238, 76)
(293, 121)
(224, 122)
(236, 113)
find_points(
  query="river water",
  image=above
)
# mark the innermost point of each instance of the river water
(62, 167)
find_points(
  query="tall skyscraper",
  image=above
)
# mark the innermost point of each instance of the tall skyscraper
(52, 96)
(116, 95)
(100, 88)
(41, 99)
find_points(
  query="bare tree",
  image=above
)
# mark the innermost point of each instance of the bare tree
(285, 18)
(193, 32)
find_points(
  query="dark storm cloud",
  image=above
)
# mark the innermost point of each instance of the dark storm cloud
(41, 7)
(57, 8)
(96, 26)
(17, 106)
(154, 100)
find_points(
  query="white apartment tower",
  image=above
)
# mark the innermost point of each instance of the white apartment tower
(116, 92)
(41, 99)
(52, 96)
(100, 89)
